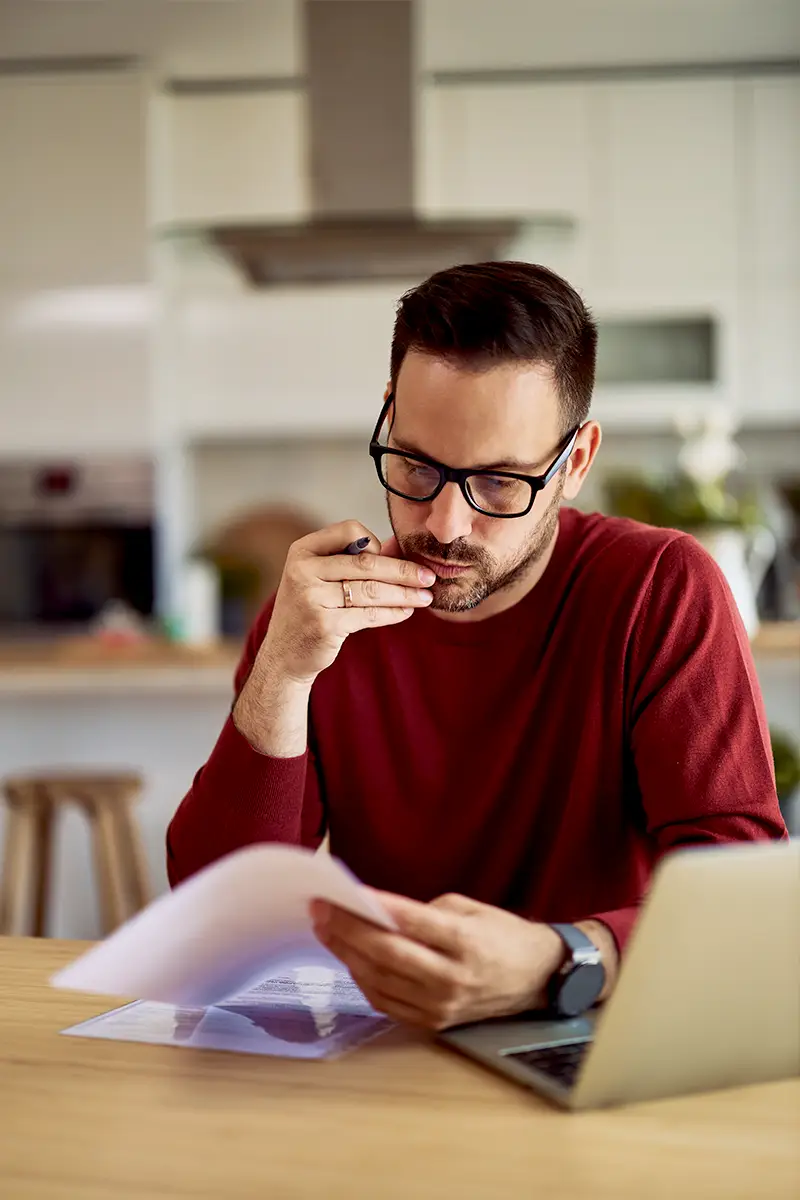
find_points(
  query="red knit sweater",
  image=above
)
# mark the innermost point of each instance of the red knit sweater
(539, 760)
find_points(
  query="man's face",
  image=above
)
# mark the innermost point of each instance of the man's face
(505, 417)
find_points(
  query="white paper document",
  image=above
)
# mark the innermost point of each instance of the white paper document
(224, 931)
(312, 1012)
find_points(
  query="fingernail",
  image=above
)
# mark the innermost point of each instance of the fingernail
(362, 542)
(426, 597)
(427, 577)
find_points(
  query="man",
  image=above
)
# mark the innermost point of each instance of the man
(506, 713)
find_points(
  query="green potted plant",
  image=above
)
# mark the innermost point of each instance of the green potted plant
(786, 756)
(698, 497)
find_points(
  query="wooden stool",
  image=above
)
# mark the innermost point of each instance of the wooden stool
(107, 801)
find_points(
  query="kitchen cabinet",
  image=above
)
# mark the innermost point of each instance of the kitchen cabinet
(234, 157)
(73, 197)
(771, 178)
(772, 348)
(644, 172)
(519, 149)
(512, 149)
(770, 272)
(665, 216)
(75, 302)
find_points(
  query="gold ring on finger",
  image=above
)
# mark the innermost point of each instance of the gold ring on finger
(347, 593)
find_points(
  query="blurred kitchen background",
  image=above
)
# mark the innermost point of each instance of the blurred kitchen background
(208, 209)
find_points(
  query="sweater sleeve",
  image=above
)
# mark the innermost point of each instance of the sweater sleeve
(241, 796)
(697, 726)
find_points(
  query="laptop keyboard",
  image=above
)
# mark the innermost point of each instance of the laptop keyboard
(559, 1062)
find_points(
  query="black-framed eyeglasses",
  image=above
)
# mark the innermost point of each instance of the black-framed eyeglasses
(492, 493)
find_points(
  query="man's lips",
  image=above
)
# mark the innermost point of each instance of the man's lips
(443, 570)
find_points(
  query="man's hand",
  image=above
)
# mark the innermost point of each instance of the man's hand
(310, 622)
(324, 595)
(451, 961)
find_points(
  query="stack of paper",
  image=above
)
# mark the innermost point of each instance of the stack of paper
(231, 959)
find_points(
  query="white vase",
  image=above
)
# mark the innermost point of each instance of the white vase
(743, 556)
(199, 603)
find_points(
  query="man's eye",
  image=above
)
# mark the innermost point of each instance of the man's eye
(497, 483)
(417, 470)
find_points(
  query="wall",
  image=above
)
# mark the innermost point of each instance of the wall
(331, 479)
(334, 478)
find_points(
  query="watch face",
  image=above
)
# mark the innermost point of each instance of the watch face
(580, 989)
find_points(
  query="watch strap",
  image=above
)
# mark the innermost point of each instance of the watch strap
(581, 946)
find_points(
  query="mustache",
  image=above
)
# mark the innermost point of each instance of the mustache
(459, 551)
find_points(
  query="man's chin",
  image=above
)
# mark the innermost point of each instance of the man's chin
(455, 596)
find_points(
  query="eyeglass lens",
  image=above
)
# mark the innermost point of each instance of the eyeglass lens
(419, 481)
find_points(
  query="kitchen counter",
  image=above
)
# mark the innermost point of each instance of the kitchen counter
(778, 639)
(81, 665)
(86, 663)
(88, 667)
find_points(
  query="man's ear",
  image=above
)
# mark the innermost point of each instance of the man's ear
(388, 392)
(586, 446)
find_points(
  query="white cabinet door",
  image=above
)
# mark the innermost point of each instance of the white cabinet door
(505, 148)
(74, 184)
(239, 157)
(666, 218)
(773, 179)
(770, 247)
(75, 304)
(773, 341)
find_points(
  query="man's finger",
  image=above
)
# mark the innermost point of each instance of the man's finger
(397, 1010)
(373, 977)
(455, 903)
(334, 539)
(372, 566)
(387, 951)
(368, 593)
(404, 1014)
(424, 923)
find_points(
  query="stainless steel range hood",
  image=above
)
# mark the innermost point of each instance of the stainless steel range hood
(361, 160)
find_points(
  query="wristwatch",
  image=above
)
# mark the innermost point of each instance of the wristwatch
(576, 986)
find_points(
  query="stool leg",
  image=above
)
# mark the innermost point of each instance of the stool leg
(19, 872)
(43, 824)
(110, 873)
(132, 854)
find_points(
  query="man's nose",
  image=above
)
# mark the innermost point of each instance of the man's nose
(449, 517)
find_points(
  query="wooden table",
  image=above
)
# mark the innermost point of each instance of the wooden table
(398, 1120)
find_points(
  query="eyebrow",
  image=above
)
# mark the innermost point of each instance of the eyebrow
(508, 464)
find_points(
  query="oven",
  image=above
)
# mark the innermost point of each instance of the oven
(74, 536)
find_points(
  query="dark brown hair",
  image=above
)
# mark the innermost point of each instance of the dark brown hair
(482, 314)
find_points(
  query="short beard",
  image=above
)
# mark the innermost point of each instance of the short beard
(449, 595)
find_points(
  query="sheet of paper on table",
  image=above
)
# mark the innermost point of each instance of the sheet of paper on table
(224, 930)
(312, 1012)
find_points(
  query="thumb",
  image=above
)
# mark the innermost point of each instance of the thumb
(391, 548)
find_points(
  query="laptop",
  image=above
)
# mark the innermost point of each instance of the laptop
(708, 996)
